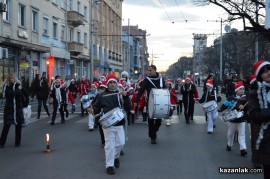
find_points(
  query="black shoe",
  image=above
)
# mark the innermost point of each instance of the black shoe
(51, 123)
(122, 153)
(49, 114)
(214, 126)
(17, 145)
(38, 117)
(228, 148)
(210, 132)
(67, 114)
(117, 163)
(243, 153)
(153, 141)
(177, 113)
(63, 121)
(187, 122)
(91, 130)
(110, 171)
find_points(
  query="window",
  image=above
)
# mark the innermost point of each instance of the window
(71, 5)
(21, 15)
(79, 6)
(63, 32)
(85, 13)
(55, 28)
(6, 15)
(63, 4)
(85, 40)
(79, 36)
(34, 20)
(71, 34)
(45, 26)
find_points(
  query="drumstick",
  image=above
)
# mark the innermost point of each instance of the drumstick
(109, 94)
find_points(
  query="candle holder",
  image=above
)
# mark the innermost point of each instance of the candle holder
(48, 147)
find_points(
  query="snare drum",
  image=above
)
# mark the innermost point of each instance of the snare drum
(159, 104)
(112, 117)
(210, 106)
(229, 115)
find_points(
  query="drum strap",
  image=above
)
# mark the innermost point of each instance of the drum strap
(151, 82)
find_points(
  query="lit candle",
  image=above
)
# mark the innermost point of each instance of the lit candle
(48, 148)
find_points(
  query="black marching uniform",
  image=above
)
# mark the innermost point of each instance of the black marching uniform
(153, 124)
(188, 91)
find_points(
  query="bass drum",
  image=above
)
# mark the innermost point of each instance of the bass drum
(159, 104)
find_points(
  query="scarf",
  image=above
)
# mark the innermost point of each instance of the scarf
(14, 104)
(264, 100)
(58, 95)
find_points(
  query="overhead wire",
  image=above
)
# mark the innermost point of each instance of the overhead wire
(165, 10)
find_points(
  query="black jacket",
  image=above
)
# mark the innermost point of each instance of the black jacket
(147, 85)
(260, 118)
(108, 103)
(63, 95)
(210, 97)
(9, 117)
(188, 91)
(42, 90)
(231, 88)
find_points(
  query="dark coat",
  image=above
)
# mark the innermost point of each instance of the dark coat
(42, 90)
(63, 95)
(209, 96)
(9, 117)
(108, 103)
(188, 95)
(260, 117)
(231, 88)
(147, 85)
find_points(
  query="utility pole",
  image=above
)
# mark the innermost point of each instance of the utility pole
(154, 56)
(220, 73)
(257, 36)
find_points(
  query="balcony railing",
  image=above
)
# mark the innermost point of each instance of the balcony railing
(75, 47)
(74, 18)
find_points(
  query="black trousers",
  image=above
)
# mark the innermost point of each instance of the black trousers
(189, 111)
(266, 171)
(18, 134)
(44, 102)
(61, 110)
(101, 133)
(179, 106)
(153, 126)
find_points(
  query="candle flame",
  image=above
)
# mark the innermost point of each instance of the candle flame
(47, 138)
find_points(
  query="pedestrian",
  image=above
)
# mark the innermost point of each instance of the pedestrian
(13, 110)
(114, 134)
(91, 95)
(73, 89)
(188, 90)
(83, 89)
(59, 96)
(141, 107)
(125, 77)
(153, 81)
(173, 100)
(34, 86)
(42, 93)
(238, 103)
(211, 95)
(177, 88)
(199, 81)
(230, 87)
(259, 113)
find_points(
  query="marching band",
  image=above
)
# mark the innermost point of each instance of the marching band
(113, 103)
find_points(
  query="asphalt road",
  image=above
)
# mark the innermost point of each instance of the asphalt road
(182, 151)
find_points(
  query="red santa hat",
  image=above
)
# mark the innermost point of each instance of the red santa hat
(238, 85)
(104, 76)
(111, 77)
(258, 66)
(169, 81)
(95, 83)
(210, 83)
(103, 84)
(252, 78)
(188, 78)
(120, 84)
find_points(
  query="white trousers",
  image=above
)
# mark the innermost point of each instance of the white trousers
(240, 128)
(91, 121)
(211, 120)
(114, 142)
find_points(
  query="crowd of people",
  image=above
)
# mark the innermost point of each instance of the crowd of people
(117, 96)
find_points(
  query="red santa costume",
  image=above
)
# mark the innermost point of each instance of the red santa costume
(173, 100)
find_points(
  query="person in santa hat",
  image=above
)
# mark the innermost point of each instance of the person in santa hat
(103, 78)
(210, 95)
(177, 88)
(238, 103)
(125, 76)
(141, 108)
(259, 113)
(83, 89)
(173, 100)
(114, 135)
(188, 90)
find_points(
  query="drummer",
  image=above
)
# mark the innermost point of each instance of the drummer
(210, 95)
(153, 81)
(237, 102)
(114, 135)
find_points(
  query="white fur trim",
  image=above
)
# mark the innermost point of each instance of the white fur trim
(209, 84)
(125, 73)
(239, 88)
(253, 80)
(260, 67)
(112, 79)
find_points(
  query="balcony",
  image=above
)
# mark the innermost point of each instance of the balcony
(74, 18)
(75, 48)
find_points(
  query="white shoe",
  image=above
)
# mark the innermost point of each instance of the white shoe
(168, 124)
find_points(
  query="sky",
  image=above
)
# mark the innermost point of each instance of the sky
(170, 35)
